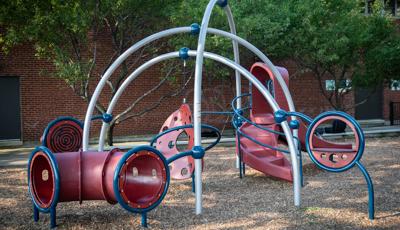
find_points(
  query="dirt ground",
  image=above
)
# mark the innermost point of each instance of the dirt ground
(329, 200)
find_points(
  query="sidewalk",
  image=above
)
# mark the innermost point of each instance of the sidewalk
(18, 156)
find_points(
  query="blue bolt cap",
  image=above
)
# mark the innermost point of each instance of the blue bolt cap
(294, 124)
(195, 29)
(222, 3)
(184, 53)
(198, 152)
(280, 116)
(238, 121)
(107, 117)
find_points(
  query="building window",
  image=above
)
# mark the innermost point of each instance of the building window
(391, 6)
(395, 85)
(343, 85)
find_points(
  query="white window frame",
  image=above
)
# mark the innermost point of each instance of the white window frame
(393, 8)
(395, 85)
(330, 85)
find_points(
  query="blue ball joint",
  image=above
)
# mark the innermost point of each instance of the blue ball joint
(198, 152)
(280, 116)
(195, 29)
(222, 3)
(184, 53)
(238, 121)
(107, 118)
(294, 124)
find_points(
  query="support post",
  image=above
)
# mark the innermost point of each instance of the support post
(193, 184)
(243, 168)
(144, 219)
(35, 214)
(301, 167)
(53, 223)
(239, 155)
(371, 204)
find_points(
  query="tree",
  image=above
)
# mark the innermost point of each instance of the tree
(67, 33)
(333, 39)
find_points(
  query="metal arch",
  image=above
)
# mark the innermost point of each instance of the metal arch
(275, 107)
(240, 41)
(132, 49)
(236, 54)
(250, 77)
(197, 101)
(110, 71)
(125, 84)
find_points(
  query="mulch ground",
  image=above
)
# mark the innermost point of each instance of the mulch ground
(329, 200)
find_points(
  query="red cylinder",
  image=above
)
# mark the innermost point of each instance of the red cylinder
(90, 176)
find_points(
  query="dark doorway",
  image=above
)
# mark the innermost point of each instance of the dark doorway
(10, 118)
(372, 108)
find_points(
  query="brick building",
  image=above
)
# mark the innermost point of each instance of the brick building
(30, 99)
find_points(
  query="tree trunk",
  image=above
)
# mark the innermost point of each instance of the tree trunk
(110, 137)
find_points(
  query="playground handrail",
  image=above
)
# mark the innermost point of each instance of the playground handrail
(237, 113)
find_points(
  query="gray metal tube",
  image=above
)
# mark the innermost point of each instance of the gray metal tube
(111, 69)
(235, 45)
(218, 32)
(169, 32)
(236, 55)
(197, 100)
(275, 107)
(250, 77)
(125, 84)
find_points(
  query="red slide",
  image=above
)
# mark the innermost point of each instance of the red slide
(263, 159)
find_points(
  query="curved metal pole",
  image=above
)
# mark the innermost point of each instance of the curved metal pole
(288, 134)
(371, 203)
(235, 45)
(238, 80)
(159, 35)
(264, 59)
(123, 87)
(250, 77)
(197, 101)
(110, 71)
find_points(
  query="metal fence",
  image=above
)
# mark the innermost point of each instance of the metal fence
(394, 113)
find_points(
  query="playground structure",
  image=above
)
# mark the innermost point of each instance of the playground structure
(65, 169)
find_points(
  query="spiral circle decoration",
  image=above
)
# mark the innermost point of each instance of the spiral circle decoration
(63, 135)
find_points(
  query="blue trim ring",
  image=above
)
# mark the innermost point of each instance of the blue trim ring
(117, 172)
(359, 133)
(56, 177)
(52, 123)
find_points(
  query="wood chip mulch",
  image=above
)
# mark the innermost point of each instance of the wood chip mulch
(329, 200)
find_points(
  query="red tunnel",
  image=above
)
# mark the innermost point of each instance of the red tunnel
(142, 181)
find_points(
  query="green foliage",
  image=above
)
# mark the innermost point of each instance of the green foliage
(331, 38)
(65, 32)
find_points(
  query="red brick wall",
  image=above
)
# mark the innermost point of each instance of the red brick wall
(43, 98)
(388, 96)
(307, 95)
